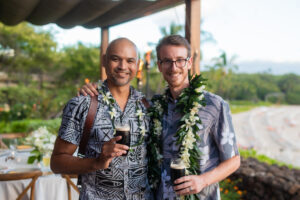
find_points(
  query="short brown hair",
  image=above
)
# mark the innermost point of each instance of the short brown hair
(176, 40)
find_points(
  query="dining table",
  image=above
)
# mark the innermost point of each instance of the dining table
(48, 186)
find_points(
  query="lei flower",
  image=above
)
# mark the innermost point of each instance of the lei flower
(190, 101)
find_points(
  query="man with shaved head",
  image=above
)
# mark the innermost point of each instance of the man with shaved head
(109, 170)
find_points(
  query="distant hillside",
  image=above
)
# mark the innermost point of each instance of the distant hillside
(269, 67)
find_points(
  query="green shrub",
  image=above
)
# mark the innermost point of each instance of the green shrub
(28, 125)
(243, 106)
(30, 103)
(262, 158)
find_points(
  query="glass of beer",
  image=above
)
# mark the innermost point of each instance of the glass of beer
(124, 131)
(177, 168)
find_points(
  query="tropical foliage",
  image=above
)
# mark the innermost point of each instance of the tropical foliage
(37, 79)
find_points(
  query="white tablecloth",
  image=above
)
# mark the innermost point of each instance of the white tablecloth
(50, 187)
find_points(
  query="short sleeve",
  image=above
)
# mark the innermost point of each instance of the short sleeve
(73, 119)
(224, 134)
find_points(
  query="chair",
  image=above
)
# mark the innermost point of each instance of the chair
(23, 175)
(70, 183)
(9, 136)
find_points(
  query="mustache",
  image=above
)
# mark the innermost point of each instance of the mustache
(121, 70)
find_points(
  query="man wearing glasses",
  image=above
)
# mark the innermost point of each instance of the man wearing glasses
(219, 152)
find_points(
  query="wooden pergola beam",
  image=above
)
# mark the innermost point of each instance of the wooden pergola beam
(192, 34)
(104, 45)
(192, 31)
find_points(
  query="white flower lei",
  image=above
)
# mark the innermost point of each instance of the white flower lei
(110, 101)
(189, 102)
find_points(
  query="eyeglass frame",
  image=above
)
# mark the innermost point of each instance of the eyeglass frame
(172, 61)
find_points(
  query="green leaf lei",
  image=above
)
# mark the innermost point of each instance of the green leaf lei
(189, 102)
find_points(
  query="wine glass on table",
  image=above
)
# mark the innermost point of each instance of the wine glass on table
(13, 147)
(13, 143)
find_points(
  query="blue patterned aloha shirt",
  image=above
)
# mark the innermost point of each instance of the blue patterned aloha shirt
(218, 143)
(115, 182)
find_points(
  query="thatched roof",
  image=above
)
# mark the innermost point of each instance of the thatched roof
(88, 13)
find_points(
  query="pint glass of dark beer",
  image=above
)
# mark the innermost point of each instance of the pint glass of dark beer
(177, 168)
(124, 131)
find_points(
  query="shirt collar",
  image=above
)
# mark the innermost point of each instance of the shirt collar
(134, 94)
(169, 96)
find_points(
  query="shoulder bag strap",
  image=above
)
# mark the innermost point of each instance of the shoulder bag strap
(145, 102)
(88, 125)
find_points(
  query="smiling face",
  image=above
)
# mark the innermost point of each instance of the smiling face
(121, 62)
(177, 77)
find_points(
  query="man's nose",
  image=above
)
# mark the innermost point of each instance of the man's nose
(173, 65)
(123, 64)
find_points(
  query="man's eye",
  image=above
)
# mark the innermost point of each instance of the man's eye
(114, 59)
(180, 61)
(130, 61)
(168, 61)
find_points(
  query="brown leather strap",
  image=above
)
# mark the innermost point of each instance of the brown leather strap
(145, 102)
(88, 125)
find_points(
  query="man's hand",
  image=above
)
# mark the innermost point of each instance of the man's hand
(110, 150)
(192, 184)
(88, 89)
(195, 183)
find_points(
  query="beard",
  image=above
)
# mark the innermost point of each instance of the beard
(118, 80)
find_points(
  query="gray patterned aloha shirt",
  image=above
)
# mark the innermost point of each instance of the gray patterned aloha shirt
(115, 182)
(217, 143)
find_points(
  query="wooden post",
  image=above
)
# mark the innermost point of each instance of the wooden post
(104, 45)
(192, 30)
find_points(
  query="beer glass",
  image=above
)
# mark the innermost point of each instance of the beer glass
(177, 169)
(124, 131)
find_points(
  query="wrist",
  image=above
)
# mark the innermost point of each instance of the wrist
(203, 180)
(100, 163)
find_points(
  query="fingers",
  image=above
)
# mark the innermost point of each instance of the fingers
(94, 85)
(92, 88)
(187, 185)
(115, 139)
(89, 89)
(111, 149)
(182, 179)
(85, 91)
(185, 191)
(183, 185)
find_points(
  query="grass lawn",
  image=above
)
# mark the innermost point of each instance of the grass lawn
(242, 106)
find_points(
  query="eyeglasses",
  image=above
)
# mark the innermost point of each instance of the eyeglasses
(179, 63)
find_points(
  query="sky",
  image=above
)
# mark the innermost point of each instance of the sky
(262, 35)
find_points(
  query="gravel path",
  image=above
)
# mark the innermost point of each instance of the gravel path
(272, 131)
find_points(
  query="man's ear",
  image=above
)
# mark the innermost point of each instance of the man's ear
(159, 65)
(104, 60)
(190, 63)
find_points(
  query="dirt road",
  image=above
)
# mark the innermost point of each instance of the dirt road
(272, 131)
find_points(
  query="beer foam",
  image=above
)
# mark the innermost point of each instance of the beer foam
(123, 128)
(177, 165)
